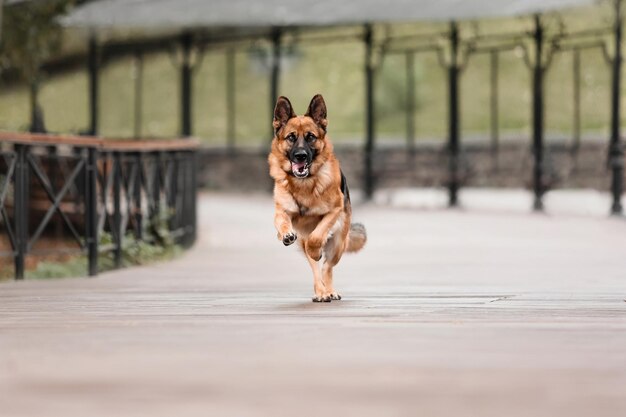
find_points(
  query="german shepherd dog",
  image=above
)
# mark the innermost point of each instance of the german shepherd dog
(311, 196)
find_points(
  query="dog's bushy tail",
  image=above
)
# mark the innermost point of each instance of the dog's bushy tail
(356, 238)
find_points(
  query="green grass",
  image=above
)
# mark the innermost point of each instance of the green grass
(134, 253)
(336, 71)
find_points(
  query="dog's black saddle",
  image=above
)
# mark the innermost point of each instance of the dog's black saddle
(344, 188)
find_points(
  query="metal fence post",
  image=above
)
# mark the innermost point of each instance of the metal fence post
(93, 67)
(185, 87)
(117, 212)
(493, 106)
(576, 89)
(369, 114)
(155, 215)
(410, 102)
(172, 192)
(194, 195)
(616, 153)
(276, 38)
(91, 210)
(187, 221)
(20, 190)
(231, 86)
(137, 197)
(453, 117)
(538, 69)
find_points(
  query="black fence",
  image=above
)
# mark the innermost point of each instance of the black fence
(537, 46)
(85, 189)
(454, 46)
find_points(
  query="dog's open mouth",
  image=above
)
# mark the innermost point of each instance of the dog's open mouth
(300, 169)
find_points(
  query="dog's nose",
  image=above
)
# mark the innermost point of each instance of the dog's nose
(300, 155)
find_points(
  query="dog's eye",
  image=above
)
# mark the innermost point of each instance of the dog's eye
(291, 137)
(310, 137)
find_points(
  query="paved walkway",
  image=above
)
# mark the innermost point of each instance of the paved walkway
(462, 313)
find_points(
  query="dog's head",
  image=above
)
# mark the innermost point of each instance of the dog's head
(300, 139)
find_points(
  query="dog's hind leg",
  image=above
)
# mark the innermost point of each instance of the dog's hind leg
(332, 254)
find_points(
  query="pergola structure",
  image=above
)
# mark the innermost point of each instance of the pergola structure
(193, 25)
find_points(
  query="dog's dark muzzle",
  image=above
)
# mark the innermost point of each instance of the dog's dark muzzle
(300, 155)
(301, 159)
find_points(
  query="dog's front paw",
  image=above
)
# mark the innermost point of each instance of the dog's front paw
(289, 238)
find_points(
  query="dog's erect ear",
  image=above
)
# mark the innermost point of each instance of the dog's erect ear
(317, 111)
(282, 113)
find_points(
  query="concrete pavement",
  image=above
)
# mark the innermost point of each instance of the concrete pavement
(445, 312)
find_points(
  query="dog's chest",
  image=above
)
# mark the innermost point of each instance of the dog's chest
(308, 207)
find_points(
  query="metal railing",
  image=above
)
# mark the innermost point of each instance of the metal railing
(90, 187)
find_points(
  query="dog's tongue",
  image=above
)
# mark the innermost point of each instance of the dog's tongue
(298, 166)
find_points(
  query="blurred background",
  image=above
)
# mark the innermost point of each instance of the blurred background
(333, 68)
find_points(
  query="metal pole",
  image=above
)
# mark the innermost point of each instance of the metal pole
(93, 66)
(138, 161)
(156, 190)
(185, 87)
(118, 234)
(538, 186)
(576, 121)
(21, 209)
(91, 211)
(36, 114)
(495, 133)
(275, 71)
(453, 114)
(230, 99)
(172, 193)
(410, 102)
(194, 196)
(187, 198)
(138, 93)
(53, 158)
(369, 113)
(616, 153)
(1, 15)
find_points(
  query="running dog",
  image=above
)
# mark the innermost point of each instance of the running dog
(311, 196)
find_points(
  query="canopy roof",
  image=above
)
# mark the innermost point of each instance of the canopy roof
(241, 14)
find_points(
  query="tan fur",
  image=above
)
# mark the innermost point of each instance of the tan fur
(312, 208)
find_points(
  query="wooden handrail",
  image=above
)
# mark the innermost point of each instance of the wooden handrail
(150, 145)
(47, 139)
(110, 145)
